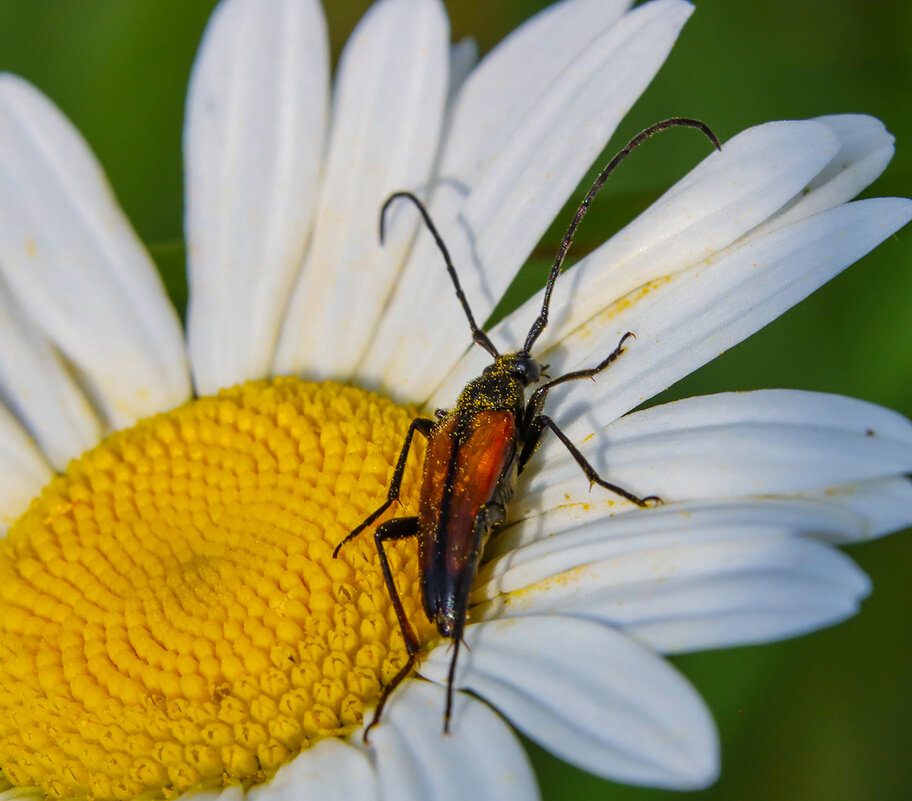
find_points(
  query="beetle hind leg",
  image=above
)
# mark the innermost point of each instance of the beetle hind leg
(399, 528)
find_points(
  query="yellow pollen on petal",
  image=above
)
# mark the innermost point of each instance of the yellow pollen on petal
(171, 615)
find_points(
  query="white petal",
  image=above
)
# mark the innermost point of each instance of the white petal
(387, 114)
(513, 202)
(804, 586)
(492, 104)
(35, 383)
(729, 193)
(841, 514)
(687, 320)
(865, 149)
(330, 771)
(233, 793)
(725, 445)
(479, 759)
(591, 696)
(463, 57)
(256, 119)
(684, 590)
(884, 504)
(23, 471)
(524, 554)
(77, 267)
(510, 81)
(507, 86)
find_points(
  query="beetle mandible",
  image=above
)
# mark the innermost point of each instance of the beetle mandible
(475, 452)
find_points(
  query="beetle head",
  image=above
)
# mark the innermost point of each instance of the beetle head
(519, 365)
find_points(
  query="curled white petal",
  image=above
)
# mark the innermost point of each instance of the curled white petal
(865, 149)
(729, 193)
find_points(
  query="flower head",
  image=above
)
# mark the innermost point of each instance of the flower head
(173, 616)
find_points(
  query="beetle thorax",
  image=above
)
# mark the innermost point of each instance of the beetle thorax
(502, 385)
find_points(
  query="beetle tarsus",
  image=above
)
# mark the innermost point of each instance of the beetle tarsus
(387, 692)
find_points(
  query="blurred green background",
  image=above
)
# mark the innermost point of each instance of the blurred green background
(827, 716)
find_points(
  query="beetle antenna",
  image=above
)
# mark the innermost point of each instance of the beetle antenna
(674, 122)
(479, 337)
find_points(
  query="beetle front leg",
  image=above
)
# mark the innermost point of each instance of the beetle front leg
(533, 438)
(399, 528)
(537, 400)
(423, 426)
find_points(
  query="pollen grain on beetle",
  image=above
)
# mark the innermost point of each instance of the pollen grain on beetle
(171, 616)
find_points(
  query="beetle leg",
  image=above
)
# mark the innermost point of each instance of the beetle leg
(537, 399)
(534, 435)
(423, 426)
(399, 528)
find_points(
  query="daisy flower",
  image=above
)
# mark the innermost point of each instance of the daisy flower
(172, 619)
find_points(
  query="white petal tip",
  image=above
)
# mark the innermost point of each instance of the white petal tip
(15, 89)
(699, 764)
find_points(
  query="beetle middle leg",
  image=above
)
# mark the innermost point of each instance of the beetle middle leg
(537, 428)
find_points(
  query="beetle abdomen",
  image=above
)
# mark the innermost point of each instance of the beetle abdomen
(460, 478)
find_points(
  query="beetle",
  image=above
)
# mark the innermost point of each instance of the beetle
(475, 452)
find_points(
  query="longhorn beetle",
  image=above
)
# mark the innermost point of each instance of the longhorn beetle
(475, 452)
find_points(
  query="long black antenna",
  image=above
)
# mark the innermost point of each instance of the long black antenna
(478, 336)
(674, 122)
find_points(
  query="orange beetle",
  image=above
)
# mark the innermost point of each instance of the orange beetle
(474, 454)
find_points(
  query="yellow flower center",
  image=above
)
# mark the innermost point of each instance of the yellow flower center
(171, 616)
